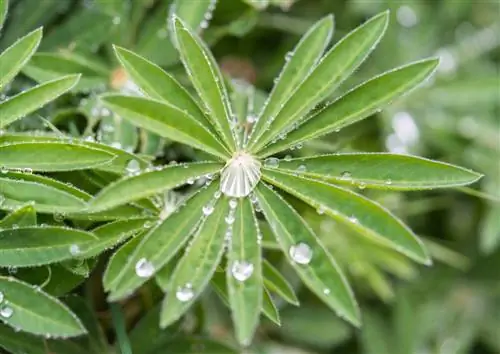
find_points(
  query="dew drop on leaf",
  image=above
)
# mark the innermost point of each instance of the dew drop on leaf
(233, 203)
(184, 293)
(288, 157)
(6, 312)
(242, 270)
(326, 291)
(346, 175)
(144, 268)
(388, 182)
(353, 219)
(208, 209)
(301, 168)
(301, 253)
(321, 210)
(74, 250)
(271, 162)
(229, 219)
(133, 167)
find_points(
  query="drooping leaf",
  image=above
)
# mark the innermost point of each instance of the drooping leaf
(23, 216)
(150, 183)
(244, 273)
(28, 101)
(318, 270)
(332, 70)
(275, 282)
(358, 104)
(196, 267)
(51, 156)
(379, 170)
(32, 246)
(17, 55)
(353, 210)
(206, 78)
(165, 120)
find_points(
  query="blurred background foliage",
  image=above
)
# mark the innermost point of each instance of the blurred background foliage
(452, 307)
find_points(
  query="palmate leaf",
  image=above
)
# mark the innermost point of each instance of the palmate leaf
(330, 72)
(381, 170)
(320, 272)
(359, 103)
(353, 210)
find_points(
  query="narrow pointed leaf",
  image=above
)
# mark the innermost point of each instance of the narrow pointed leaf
(304, 57)
(244, 273)
(28, 101)
(160, 85)
(161, 243)
(383, 171)
(23, 216)
(206, 78)
(197, 265)
(165, 120)
(322, 274)
(195, 13)
(4, 8)
(338, 64)
(269, 308)
(17, 55)
(146, 184)
(275, 282)
(355, 211)
(52, 156)
(32, 246)
(358, 104)
(36, 312)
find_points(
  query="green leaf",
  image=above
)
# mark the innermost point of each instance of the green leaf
(36, 312)
(244, 271)
(23, 216)
(355, 211)
(194, 13)
(269, 308)
(382, 171)
(4, 8)
(297, 67)
(322, 274)
(189, 345)
(206, 78)
(28, 101)
(337, 65)
(277, 283)
(150, 183)
(358, 104)
(32, 246)
(51, 156)
(165, 120)
(160, 85)
(197, 265)
(161, 244)
(17, 55)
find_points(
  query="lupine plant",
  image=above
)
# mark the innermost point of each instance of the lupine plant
(245, 183)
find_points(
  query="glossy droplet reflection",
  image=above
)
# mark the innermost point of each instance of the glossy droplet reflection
(6, 312)
(242, 270)
(301, 253)
(184, 293)
(144, 268)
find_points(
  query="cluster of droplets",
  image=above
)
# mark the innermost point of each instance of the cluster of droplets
(6, 311)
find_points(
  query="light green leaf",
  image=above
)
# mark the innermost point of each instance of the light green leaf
(51, 156)
(355, 211)
(197, 265)
(36, 312)
(4, 8)
(204, 73)
(160, 85)
(186, 345)
(32, 246)
(358, 104)
(489, 239)
(269, 308)
(23, 216)
(17, 55)
(382, 171)
(338, 64)
(194, 13)
(244, 271)
(150, 183)
(161, 243)
(297, 67)
(165, 120)
(321, 274)
(277, 283)
(28, 101)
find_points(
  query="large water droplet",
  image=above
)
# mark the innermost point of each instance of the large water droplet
(144, 268)
(241, 270)
(301, 168)
(184, 293)
(133, 167)
(240, 176)
(74, 250)
(271, 162)
(301, 253)
(208, 209)
(6, 312)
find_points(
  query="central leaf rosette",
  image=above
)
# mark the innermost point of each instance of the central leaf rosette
(240, 175)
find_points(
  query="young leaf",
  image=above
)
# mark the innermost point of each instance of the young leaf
(206, 78)
(316, 267)
(150, 183)
(28, 101)
(355, 211)
(34, 311)
(32, 246)
(358, 104)
(23, 216)
(338, 64)
(165, 120)
(298, 66)
(17, 55)
(379, 170)
(161, 244)
(244, 273)
(275, 282)
(197, 265)
(52, 156)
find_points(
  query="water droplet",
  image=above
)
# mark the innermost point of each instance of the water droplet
(288, 56)
(133, 167)
(185, 293)
(217, 194)
(301, 168)
(233, 203)
(190, 181)
(229, 219)
(242, 270)
(117, 20)
(353, 219)
(58, 217)
(74, 250)
(144, 268)
(362, 185)
(208, 209)
(326, 291)
(299, 146)
(288, 157)
(240, 176)
(271, 162)
(321, 210)
(2, 297)
(388, 182)
(3, 169)
(6, 312)
(346, 175)
(27, 170)
(301, 253)
(251, 118)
